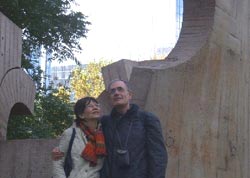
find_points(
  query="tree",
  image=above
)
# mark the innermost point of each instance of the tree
(53, 114)
(48, 24)
(88, 81)
(53, 26)
(63, 93)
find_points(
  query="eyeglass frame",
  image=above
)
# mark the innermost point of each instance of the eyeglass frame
(119, 89)
(97, 105)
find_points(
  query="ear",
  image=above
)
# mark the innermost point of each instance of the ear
(130, 95)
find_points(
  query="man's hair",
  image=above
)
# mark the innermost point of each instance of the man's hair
(117, 80)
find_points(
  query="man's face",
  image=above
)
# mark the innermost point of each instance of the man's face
(119, 94)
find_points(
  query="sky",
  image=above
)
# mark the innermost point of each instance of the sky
(131, 29)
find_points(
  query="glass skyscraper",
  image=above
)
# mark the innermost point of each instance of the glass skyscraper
(179, 17)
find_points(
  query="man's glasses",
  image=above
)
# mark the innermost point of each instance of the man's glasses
(113, 90)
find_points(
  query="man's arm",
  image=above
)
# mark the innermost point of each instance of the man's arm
(156, 150)
(58, 170)
(56, 154)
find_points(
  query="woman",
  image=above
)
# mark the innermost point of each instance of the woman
(88, 149)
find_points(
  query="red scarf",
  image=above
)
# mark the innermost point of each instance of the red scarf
(95, 147)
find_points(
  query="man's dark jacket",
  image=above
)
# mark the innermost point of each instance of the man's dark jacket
(147, 152)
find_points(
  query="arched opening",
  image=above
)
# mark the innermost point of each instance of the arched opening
(20, 109)
(16, 123)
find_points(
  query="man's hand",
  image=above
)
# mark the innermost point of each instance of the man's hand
(56, 154)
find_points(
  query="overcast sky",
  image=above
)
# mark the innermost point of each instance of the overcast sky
(131, 29)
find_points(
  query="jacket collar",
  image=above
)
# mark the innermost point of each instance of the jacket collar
(132, 110)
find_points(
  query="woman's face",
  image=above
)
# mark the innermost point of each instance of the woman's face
(92, 111)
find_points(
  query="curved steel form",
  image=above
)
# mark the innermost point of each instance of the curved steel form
(17, 90)
(200, 91)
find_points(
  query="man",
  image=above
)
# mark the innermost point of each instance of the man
(133, 137)
(134, 141)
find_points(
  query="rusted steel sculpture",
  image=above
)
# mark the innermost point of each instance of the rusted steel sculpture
(17, 90)
(201, 91)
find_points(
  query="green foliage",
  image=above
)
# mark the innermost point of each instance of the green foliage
(88, 81)
(53, 114)
(47, 23)
(34, 70)
(63, 94)
(53, 26)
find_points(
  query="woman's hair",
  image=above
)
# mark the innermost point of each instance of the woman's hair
(80, 107)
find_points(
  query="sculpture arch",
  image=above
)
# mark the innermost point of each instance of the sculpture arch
(17, 90)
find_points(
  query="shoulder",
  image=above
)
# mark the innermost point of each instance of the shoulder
(150, 120)
(65, 138)
(105, 119)
(147, 115)
(68, 132)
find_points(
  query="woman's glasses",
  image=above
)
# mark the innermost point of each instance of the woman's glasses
(97, 105)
